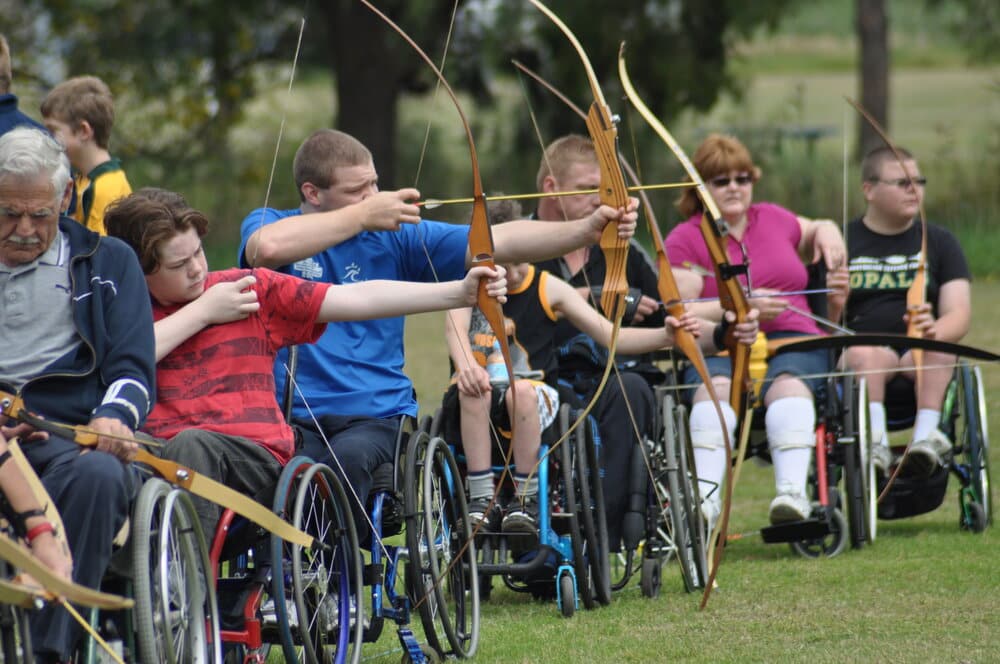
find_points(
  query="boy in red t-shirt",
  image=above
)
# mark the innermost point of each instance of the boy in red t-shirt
(217, 334)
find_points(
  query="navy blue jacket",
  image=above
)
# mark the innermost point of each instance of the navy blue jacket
(10, 117)
(111, 374)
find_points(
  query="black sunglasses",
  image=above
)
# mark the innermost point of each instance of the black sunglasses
(724, 180)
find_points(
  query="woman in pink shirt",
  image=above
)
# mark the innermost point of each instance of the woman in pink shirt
(776, 245)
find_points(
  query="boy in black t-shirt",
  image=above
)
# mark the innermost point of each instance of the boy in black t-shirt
(884, 248)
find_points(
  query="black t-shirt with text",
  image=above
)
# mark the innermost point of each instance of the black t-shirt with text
(882, 268)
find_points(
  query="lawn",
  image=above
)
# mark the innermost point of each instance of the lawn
(924, 592)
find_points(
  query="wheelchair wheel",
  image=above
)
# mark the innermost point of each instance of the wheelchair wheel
(976, 445)
(830, 545)
(860, 484)
(688, 528)
(649, 579)
(321, 583)
(323, 577)
(593, 524)
(442, 577)
(175, 606)
(566, 496)
(567, 596)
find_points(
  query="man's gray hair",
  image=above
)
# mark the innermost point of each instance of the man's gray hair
(28, 152)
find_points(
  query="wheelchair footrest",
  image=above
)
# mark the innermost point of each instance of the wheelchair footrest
(796, 531)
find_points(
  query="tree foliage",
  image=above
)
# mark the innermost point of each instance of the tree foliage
(189, 67)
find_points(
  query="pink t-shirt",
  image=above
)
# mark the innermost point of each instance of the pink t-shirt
(222, 378)
(771, 241)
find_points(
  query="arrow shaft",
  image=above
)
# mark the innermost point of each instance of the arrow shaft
(433, 202)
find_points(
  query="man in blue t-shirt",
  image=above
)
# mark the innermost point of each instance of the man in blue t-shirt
(350, 384)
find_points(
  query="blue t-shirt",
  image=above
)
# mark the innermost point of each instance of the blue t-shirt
(356, 368)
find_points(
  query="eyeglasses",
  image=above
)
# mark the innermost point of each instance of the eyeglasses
(902, 183)
(724, 180)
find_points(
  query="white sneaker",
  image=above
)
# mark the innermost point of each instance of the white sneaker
(789, 506)
(926, 456)
(881, 458)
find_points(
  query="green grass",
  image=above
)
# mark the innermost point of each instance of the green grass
(924, 592)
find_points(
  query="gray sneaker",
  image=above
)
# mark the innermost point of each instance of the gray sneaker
(881, 458)
(927, 455)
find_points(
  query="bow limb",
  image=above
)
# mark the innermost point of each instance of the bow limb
(731, 296)
(178, 475)
(604, 133)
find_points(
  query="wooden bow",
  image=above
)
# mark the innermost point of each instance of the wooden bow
(13, 406)
(603, 132)
(714, 229)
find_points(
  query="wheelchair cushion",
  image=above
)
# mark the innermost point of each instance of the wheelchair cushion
(910, 496)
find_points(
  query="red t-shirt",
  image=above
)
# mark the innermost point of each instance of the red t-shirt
(222, 378)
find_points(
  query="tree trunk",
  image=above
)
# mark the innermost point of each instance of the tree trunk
(872, 27)
(367, 69)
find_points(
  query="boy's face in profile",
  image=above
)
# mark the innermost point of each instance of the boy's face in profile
(180, 276)
(70, 138)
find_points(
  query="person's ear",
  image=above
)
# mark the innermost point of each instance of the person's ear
(310, 193)
(66, 197)
(84, 131)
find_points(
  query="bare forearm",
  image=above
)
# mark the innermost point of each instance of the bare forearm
(175, 329)
(15, 487)
(295, 238)
(387, 299)
(530, 241)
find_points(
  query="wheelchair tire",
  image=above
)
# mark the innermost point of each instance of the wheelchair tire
(442, 574)
(316, 582)
(593, 519)
(566, 490)
(328, 576)
(859, 472)
(650, 578)
(976, 440)
(828, 546)
(176, 612)
(688, 527)
(567, 596)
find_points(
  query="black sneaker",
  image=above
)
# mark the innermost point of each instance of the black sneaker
(480, 512)
(521, 522)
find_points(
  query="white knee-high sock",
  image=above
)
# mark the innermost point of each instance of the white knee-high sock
(709, 447)
(876, 416)
(791, 424)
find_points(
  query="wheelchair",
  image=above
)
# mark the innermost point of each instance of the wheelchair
(570, 562)
(179, 584)
(964, 422)
(160, 561)
(434, 571)
(663, 518)
(275, 592)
